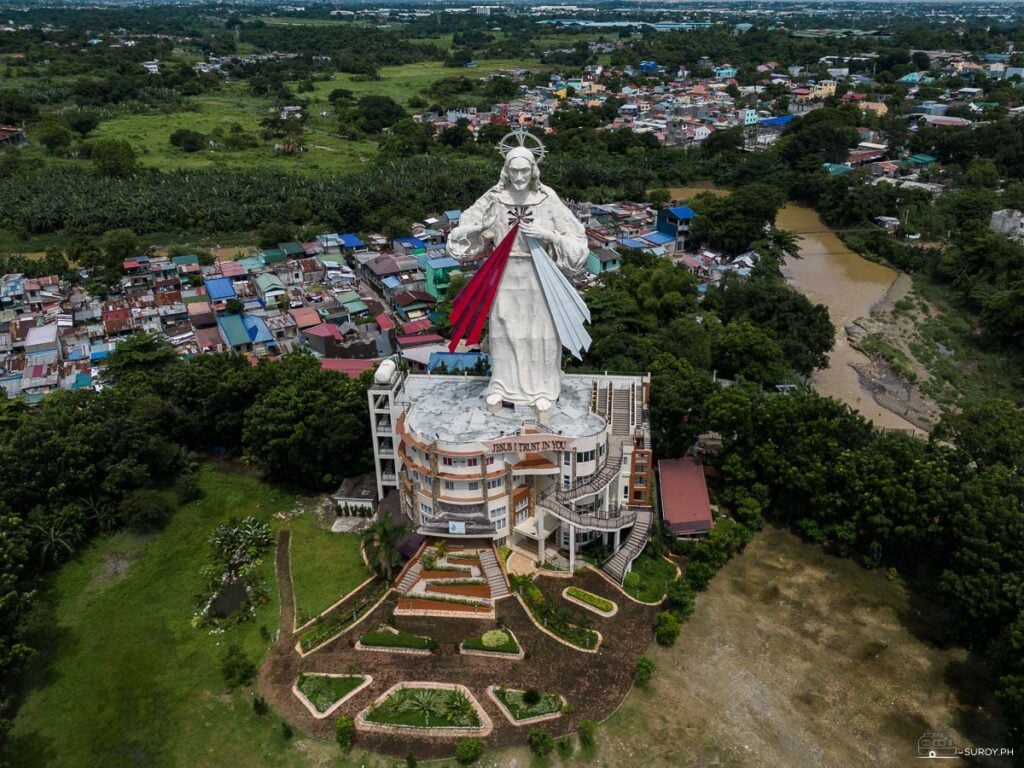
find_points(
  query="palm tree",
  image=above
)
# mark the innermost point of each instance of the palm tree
(380, 543)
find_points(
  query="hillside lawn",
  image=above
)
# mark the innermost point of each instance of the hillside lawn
(326, 566)
(127, 680)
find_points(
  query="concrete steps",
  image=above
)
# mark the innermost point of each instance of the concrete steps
(410, 578)
(618, 565)
(494, 574)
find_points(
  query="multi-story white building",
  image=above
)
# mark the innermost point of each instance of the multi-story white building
(546, 484)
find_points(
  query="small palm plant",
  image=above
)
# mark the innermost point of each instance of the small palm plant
(458, 708)
(423, 703)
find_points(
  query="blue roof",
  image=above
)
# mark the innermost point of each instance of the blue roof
(453, 214)
(657, 238)
(410, 242)
(442, 262)
(639, 245)
(453, 361)
(781, 120)
(350, 241)
(257, 329)
(682, 212)
(220, 288)
(392, 282)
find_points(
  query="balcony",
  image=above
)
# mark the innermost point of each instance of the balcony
(616, 517)
(600, 481)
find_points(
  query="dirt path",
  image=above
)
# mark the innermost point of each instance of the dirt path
(284, 583)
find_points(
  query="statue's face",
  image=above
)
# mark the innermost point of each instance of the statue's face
(519, 172)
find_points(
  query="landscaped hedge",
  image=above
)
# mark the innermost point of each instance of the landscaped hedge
(595, 601)
(426, 708)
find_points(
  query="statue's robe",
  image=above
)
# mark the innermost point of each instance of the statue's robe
(535, 310)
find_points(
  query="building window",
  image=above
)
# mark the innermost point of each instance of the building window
(641, 480)
(499, 525)
(523, 502)
(490, 460)
(585, 455)
(447, 461)
(498, 512)
(625, 491)
(474, 462)
(449, 485)
(566, 482)
(567, 457)
(426, 509)
(522, 515)
(473, 486)
(495, 482)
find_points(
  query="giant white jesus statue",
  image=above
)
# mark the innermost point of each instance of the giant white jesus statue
(534, 310)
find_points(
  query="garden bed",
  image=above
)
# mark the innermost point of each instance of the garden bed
(326, 628)
(649, 577)
(322, 694)
(514, 707)
(437, 573)
(460, 590)
(507, 648)
(554, 621)
(390, 639)
(590, 601)
(426, 606)
(441, 709)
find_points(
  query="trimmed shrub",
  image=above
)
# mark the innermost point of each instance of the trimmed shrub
(666, 628)
(531, 697)
(494, 638)
(587, 728)
(468, 751)
(344, 731)
(680, 599)
(541, 742)
(645, 669)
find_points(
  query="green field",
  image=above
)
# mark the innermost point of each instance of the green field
(325, 566)
(127, 680)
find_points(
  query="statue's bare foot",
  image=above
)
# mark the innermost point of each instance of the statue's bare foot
(494, 399)
(543, 404)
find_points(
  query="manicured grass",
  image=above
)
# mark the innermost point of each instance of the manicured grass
(323, 691)
(655, 574)
(591, 599)
(388, 638)
(520, 710)
(477, 644)
(329, 626)
(125, 677)
(426, 708)
(325, 566)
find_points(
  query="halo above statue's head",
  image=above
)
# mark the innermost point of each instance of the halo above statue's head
(518, 144)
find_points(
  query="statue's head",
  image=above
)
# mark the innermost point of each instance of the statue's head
(521, 170)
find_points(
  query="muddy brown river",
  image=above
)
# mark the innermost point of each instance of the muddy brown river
(848, 285)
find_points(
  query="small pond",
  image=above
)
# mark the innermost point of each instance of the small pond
(229, 600)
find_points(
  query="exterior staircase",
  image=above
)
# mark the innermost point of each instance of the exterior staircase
(610, 470)
(621, 412)
(494, 574)
(410, 578)
(618, 566)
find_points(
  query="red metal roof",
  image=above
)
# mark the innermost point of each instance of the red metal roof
(684, 495)
(418, 340)
(384, 322)
(350, 367)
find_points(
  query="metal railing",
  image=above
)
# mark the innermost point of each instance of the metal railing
(615, 517)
